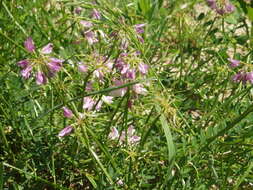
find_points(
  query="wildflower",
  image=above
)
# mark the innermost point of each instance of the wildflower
(120, 182)
(134, 139)
(229, 7)
(55, 64)
(66, 131)
(90, 36)
(212, 4)
(96, 14)
(41, 78)
(221, 11)
(238, 77)
(139, 89)
(143, 68)
(26, 72)
(233, 62)
(23, 63)
(131, 138)
(109, 65)
(249, 77)
(120, 65)
(99, 105)
(139, 28)
(82, 68)
(86, 24)
(88, 103)
(78, 10)
(98, 74)
(130, 74)
(107, 99)
(47, 49)
(114, 134)
(29, 45)
(118, 92)
(67, 112)
(225, 8)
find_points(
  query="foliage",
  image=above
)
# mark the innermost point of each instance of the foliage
(144, 94)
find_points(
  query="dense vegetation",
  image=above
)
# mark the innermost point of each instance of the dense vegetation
(122, 94)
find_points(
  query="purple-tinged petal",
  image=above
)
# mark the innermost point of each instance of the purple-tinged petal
(26, 72)
(130, 74)
(234, 62)
(41, 78)
(239, 77)
(120, 182)
(47, 49)
(99, 105)
(139, 89)
(229, 7)
(134, 139)
(125, 68)
(212, 4)
(96, 14)
(143, 68)
(139, 28)
(90, 37)
(118, 92)
(55, 64)
(23, 63)
(67, 112)
(119, 64)
(114, 134)
(86, 24)
(78, 10)
(82, 68)
(249, 77)
(109, 65)
(88, 103)
(107, 99)
(66, 131)
(29, 45)
(221, 11)
(98, 74)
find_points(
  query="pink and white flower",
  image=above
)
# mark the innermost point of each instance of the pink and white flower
(66, 131)
(88, 103)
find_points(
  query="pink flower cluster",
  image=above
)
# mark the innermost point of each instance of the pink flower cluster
(68, 129)
(225, 8)
(119, 67)
(241, 76)
(130, 137)
(89, 104)
(46, 66)
(90, 34)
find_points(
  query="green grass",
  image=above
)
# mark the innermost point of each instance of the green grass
(194, 122)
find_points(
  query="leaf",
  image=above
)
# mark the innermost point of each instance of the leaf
(166, 129)
(92, 181)
(250, 13)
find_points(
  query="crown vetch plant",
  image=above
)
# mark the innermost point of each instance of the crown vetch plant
(46, 66)
(126, 95)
